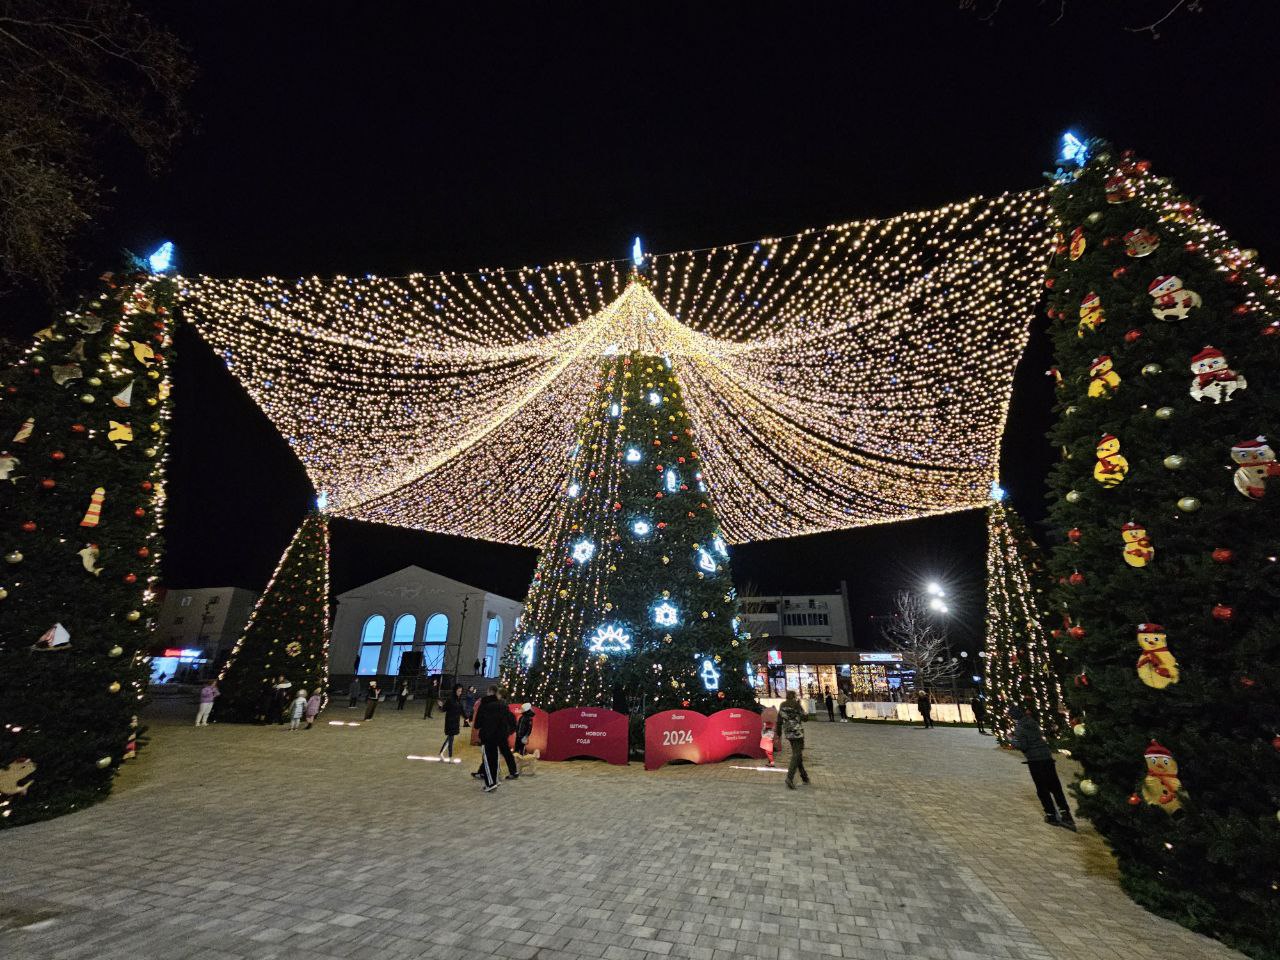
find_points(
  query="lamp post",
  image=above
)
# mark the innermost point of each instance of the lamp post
(938, 605)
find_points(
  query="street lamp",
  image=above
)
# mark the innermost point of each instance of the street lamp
(934, 589)
(936, 604)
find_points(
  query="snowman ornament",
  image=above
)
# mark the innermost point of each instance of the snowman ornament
(1173, 301)
(1213, 378)
(1256, 465)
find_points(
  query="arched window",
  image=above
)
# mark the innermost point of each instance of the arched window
(434, 637)
(375, 628)
(401, 641)
(492, 644)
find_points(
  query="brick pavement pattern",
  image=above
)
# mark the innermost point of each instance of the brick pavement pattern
(232, 842)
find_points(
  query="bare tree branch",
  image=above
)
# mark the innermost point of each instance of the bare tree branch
(989, 13)
(915, 636)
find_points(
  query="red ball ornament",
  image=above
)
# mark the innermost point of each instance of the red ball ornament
(1076, 633)
(144, 552)
(1055, 633)
(35, 371)
(130, 578)
(1074, 534)
(720, 695)
(1233, 276)
(146, 484)
(1082, 679)
(12, 390)
(48, 483)
(57, 456)
(1133, 336)
(657, 443)
(1248, 682)
(1134, 799)
(679, 459)
(139, 512)
(1222, 613)
(1076, 579)
(78, 428)
(1275, 743)
(617, 506)
(29, 526)
(1048, 282)
(1271, 329)
(1119, 272)
(1192, 247)
(1222, 555)
(1241, 309)
(1108, 241)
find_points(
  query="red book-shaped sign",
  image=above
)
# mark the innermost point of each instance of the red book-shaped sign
(587, 732)
(729, 733)
(675, 735)
(538, 738)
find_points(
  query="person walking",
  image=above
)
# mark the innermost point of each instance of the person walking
(354, 693)
(791, 719)
(402, 696)
(297, 709)
(768, 731)
(454, 711)
(925, 706)
(433, 691)
(979, 708)
(830, 705)
(371, 702)
(208, 693)
(504, 743)
(1028, 738)
(313, 707)
(493, 721)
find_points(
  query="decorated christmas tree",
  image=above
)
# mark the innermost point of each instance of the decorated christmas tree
(1020, 665)
(83, 420)
(1168, 357)
(632, 598)
(288, 630)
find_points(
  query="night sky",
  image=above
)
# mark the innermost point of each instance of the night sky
(436, 136)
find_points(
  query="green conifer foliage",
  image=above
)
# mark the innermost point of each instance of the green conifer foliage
(288, 630)
(83, 421)
(1168, 509)
(633, 592)
(1020, 664)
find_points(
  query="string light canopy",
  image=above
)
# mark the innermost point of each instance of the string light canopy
(844, 376)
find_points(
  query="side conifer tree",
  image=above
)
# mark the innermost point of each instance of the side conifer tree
(1167, 504)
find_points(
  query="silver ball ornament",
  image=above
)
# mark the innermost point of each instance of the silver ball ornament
(94, 381)
(1073, 496)
(1093, 217)
(1188, 504)
(115, 651)
(86, 398)
(14, 556)
(1151, 369)
(1088, 788)
(1175, 461)
(104, 762)
(1164, 413)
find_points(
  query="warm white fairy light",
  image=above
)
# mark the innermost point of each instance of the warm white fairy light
(850, 375)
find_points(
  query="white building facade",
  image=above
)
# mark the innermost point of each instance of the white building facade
(197, 627)
(817, 618)
(448, 625)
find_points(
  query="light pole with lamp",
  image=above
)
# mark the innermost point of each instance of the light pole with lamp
(938, 605)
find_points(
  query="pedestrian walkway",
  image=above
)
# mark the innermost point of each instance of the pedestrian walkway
(232, 842)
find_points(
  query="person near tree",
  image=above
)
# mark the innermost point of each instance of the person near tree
(470, 702)
(830, 703)
(266, 697)
(494, 722)
(281, 695)
(454, 711)
(504, 745)
(524, 728)
(768, 731)
(402, 696)
(371, 701)
(354, 693)
(1028, 738)
(925, 706)
(433, 691)
(296, 709)
(979, 712)
(208, 693)
(791, 718)
(313, 707)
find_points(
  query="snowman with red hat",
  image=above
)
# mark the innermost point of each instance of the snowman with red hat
(1214, 379)
(1173, 301)
(1161, 785)
(1257, 465)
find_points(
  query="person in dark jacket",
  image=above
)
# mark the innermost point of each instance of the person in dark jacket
(402, 696)
(371, 702)
(925, 706)
(524, 729)
(979, 712)
(469, 701)
(1028, 738)
(791, 720)
(453, 713)
(493, 722)
(354, 693)
(433, 691)
(830, 704)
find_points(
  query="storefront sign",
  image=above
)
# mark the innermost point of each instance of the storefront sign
(879, 657)
(691, 736)
(775, 658)
(587, 732)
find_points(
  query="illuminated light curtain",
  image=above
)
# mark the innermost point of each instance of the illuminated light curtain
(846, 376)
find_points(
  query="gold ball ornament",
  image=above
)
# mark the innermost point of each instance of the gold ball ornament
(151, 401)
(1093, 217)
(1188, 504)
(115, 651)
(1175, 462)
(3, 593)
(1070, 411)
(14, 556)
(133, 616)
(103, 763)
(86, 398)
(153, 374)
(1073, 496)
(94, 381)
(1151, 369)
(105, 357)
(113, 686)
(1078, 729)
(1164, 413)
(150, 451)
(1088, 788)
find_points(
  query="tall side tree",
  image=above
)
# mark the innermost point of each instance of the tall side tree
(288, 630)
(1166, 342)
(83, 420)
(70, 71)
(633, 594)
(1020, 667)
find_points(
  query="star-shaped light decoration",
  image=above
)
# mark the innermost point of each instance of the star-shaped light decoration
(665, 614)
(583, 550)
(609, 638)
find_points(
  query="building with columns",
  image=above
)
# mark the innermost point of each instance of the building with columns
(445, 624)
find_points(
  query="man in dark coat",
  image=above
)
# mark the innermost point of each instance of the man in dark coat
(979, 712)
(494, 724)
(830, 704)
(1028, 738)
(453, 710)
(925, 706)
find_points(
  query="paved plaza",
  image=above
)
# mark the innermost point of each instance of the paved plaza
(245, 842)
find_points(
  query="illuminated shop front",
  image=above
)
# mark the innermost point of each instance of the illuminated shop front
(860, 675)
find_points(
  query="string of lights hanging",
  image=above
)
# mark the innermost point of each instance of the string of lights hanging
(843, 376)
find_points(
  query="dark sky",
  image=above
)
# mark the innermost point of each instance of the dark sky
(443, 136)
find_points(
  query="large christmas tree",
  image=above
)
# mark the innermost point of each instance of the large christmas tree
(288, 631)
(83, 422)
(1166, 348)
(632, 597)
(1020, 666)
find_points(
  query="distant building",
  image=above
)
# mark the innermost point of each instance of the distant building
(813, 618)
(195, 628)
(441, 626)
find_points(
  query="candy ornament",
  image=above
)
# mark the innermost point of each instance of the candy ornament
(94, 513)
